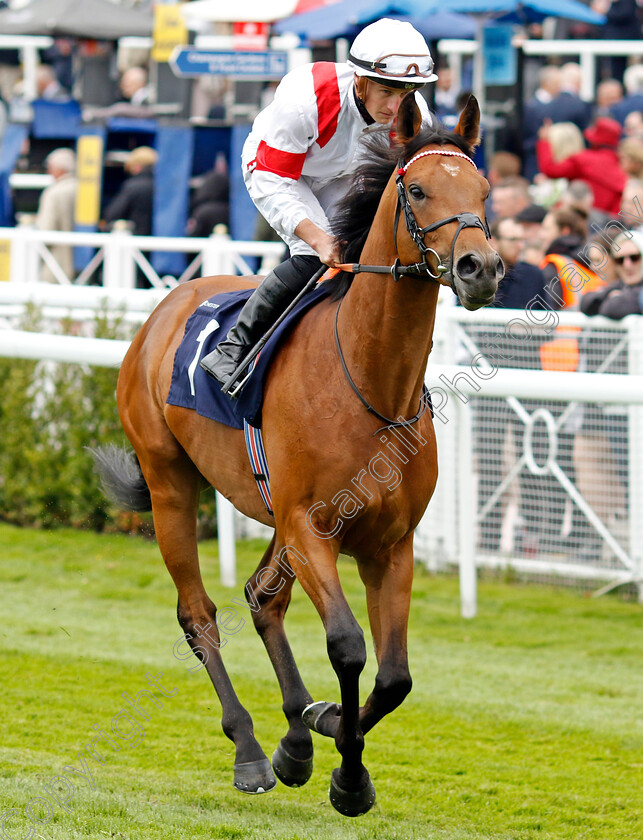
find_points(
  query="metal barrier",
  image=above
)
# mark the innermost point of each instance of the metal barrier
(588, 52)
(540, 469)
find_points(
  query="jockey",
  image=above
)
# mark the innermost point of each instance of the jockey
(299, 158)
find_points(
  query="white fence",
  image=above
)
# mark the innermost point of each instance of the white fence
(118, 257)
(540, 471)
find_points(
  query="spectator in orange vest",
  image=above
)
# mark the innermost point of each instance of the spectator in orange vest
(566, 276)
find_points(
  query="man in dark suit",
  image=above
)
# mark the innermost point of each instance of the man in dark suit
(568, 106)
(134, 202)
(633, 101)
(522, 281)
(535, 112)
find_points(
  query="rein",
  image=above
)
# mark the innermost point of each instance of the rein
(425, 399)
(422, 269)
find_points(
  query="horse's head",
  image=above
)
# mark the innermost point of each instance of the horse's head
(441, 199)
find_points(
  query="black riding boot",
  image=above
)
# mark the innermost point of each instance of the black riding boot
(261, 310)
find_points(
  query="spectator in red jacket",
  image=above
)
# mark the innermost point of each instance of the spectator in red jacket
(597, 166)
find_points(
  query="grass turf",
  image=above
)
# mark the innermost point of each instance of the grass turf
(523, 723)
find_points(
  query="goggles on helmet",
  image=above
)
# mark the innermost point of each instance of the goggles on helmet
(396, 65)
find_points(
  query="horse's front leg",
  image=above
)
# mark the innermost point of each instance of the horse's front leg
(351, 790)
(388, 580)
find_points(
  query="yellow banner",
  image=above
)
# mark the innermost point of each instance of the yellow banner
(5, 259)
(169, 31)
(89, 156)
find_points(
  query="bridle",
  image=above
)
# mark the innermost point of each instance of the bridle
(422, 269)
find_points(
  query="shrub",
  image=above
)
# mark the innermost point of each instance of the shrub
(49, 414)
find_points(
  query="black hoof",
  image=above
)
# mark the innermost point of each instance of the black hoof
(351, 803)
(254, 777)
(293, 772)
(322, 717)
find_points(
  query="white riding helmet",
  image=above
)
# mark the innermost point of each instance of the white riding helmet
(392, 53)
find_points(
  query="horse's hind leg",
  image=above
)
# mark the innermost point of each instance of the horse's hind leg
(268, 592)
(174, 488)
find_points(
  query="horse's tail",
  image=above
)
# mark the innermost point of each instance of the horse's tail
(121, 478)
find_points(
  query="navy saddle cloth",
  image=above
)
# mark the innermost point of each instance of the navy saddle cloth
(193, 388)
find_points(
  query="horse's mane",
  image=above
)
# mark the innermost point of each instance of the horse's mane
(355, 213)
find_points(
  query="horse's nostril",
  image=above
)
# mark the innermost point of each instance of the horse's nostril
(500, 268)
(468, 265)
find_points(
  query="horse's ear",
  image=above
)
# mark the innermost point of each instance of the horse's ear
(469, 123)
(409, 119)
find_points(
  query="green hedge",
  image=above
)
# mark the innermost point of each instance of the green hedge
(49, 414)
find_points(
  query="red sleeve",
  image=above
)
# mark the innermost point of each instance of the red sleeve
(285, 164)
(555, 169)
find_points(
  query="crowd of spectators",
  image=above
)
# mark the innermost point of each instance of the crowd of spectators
(587, 180)
(582, 157)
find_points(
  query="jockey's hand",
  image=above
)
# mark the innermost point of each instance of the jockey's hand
(329, 252)
(326, 246)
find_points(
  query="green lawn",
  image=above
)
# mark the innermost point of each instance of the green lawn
(523, 723)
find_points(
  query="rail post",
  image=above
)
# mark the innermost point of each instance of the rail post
(18, 250)
(225, 531)
(466, 513)
(119, 267)
(216, 256)
(635, 455)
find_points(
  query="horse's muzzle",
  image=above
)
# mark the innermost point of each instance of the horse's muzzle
(477, 275)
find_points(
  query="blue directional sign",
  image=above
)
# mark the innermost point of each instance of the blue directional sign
(186, 61)
(500, 67)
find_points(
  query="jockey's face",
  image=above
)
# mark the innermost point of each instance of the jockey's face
(382, 103)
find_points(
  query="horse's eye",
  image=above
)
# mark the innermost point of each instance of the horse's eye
(416, 192)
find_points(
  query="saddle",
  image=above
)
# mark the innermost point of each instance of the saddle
(191, 387)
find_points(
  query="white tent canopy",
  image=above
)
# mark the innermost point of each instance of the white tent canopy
(242, 10)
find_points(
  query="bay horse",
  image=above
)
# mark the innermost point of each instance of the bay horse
(325, 451)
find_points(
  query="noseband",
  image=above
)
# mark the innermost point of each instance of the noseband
(421, 270)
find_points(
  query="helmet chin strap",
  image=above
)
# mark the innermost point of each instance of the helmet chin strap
(361, 87)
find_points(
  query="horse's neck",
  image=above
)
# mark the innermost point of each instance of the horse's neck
(385, 330)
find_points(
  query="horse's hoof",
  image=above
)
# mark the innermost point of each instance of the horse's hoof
(293, 772)
(322, 717)
(351, 803)
(254, 777)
